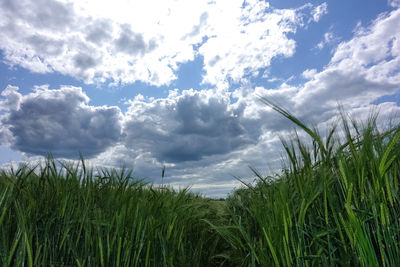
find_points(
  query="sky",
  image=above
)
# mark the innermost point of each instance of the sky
(177, 83)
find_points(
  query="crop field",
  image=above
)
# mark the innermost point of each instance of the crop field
(336, 203)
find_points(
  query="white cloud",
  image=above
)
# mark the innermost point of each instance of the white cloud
(361, 70)
(376, 48)
(128, 41)
(329, 38)
(319, 11)
(243, 42)
(394, 3)
(309, 73)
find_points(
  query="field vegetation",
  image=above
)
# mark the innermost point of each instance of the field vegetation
(336, 202)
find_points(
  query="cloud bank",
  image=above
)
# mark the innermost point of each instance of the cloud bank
(101, 43)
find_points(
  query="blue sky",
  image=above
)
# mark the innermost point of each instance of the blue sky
(151, 83)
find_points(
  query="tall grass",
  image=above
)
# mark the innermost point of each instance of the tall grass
(65, 216)
(336, 203)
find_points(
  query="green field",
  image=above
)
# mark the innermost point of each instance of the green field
(336, 203)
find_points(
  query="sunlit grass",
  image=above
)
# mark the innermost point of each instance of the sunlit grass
(336, 203)
(67, 217)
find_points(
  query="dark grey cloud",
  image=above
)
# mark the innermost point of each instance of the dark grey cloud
(45, 45)
(99, 31)
(211, 118)
(187, 127)
(59, 121)
(84, 61)
(133, 43)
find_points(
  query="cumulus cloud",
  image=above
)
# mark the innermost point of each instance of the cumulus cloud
(41, 14)
(99, 31)
(203, 138)
(309, 73)
(375, 47)
(132, 43)
(207, 152)
(84, 61)
(57, 121)
(185, 127)
(200, 136)
(119, 43)
(361, 70)
(243, 42)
